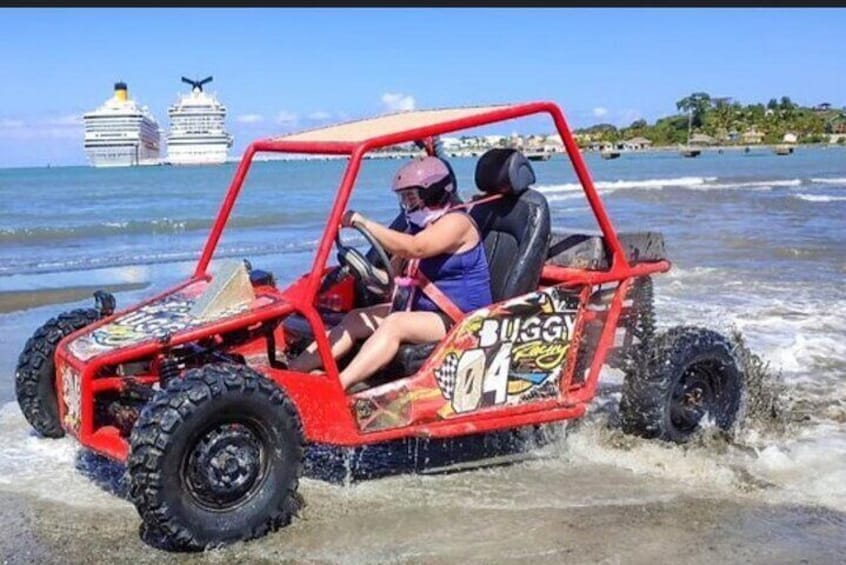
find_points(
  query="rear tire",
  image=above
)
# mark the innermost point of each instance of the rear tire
(216, 458)
(35, 375)
(686, 375)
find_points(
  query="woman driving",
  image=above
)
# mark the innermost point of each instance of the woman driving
(442, 246)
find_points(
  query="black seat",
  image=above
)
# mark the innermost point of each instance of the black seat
(515, 227)
(516, 232)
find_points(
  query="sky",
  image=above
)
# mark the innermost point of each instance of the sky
(284, 69)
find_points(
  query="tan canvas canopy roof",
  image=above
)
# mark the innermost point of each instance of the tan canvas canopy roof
(361, 130)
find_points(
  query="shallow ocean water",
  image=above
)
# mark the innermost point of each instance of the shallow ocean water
(756, 245)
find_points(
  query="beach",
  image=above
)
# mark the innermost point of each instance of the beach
(755, 241)
(628, 518)
(14, 300)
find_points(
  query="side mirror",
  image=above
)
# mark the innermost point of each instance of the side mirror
(104, 303)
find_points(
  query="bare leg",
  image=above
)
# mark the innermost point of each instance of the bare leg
(357, 324)
(380, 348)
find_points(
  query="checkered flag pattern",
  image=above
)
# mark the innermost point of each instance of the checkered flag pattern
(446, 375)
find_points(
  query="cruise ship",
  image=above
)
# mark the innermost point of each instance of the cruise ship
(121, 133)
(197, 133)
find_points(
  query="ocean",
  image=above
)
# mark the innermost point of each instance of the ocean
(757, 248)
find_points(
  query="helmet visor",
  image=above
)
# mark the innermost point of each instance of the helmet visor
(410, 198)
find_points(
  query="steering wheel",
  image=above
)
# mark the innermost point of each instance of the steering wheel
(376, 281)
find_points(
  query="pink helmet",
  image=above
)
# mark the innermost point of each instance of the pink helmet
(431, 176)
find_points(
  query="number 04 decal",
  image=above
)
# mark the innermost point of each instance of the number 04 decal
(478, 384)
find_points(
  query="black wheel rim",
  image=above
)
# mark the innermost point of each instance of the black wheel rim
(695, 395)
(226, 465)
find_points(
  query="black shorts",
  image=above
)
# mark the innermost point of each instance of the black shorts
(400, 300)
(448, 323)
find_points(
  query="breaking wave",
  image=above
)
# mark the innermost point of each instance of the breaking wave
(833, 180)
(146, 227)
(820, 198)
(690, 183)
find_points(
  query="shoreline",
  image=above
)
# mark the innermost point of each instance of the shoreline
(16, 300)
(477, 152)
(461, 154)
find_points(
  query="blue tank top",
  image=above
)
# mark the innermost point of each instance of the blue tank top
(463, 277)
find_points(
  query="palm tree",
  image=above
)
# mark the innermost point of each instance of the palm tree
(696, 104)
(723, 114)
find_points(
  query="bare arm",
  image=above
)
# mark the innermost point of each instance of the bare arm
(451, 233)
(396, 265)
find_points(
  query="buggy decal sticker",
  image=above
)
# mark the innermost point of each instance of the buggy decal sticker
(520, 347)
(72, 395)
(152, 321)
(392, 409)
(507, 354)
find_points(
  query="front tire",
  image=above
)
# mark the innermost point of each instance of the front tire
(216, 458)
(689, 375)
(35, 375)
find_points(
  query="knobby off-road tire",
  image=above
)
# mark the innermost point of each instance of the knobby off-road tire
(641, 322)
(35, 375)
(216, 458)
(688, 374)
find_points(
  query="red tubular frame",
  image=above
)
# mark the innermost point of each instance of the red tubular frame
(321, 401)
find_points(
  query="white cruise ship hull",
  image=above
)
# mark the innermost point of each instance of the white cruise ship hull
(121, 156)
(197, 153)
(197, 133)
(120, 133)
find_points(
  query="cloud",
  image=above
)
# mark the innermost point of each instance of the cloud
(396, 102)
(599, 111)
(41, 133)
(63, 127)
(319, 115)
(250, 119)
(284, 117)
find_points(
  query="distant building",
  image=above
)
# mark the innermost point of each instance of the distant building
(451, 142)
(535, 140)
(824, 107)
(753, 136)
(466, 142)
(701, 139)
(637, 144)
(553, 144)
(790, 138)
(837, 124)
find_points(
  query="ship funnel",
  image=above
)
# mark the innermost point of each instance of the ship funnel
(197, 84)
(120, 91)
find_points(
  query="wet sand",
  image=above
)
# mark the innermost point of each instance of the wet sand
(585, 493)
(14, 300)
(542, 512)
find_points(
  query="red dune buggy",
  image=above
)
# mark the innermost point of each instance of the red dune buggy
(189, 389)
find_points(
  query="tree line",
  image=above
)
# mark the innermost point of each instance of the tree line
(726, 120)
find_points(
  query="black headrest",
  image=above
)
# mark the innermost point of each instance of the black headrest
(504, 170)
